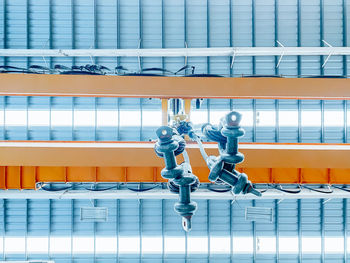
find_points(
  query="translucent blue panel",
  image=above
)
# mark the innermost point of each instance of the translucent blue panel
(309, 121)
(150, 229)
(169, 23)
(79, 118)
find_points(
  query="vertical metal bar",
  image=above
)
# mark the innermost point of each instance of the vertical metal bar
(276, 37)
(117, 225)
(163, 34)
(254, 120)
(231, 230)
(300, 245)
(27, 29)
(345, 37)
(94, 229)
(26, 230)
(140, 32)
(50, 31)
(208, 107)
(321, 35)
(118, 28)
(95, 59)
(208, 36)
(163, 229)
(72, 230)
(186, 247)
(208, 228)
(277, 229)
(5, 28)
(141, 122)
(254, 236)
(140, 229)
(345, 109)
(322, 231)
(3, 229)
(345, 229)
(254, 67)
(49, 229)
(231, 38)
(322, 121)
(73, 28)
(299, 37)
(253, 36)
(185, 32)
(164, 111)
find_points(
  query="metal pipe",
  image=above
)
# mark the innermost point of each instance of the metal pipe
(179, 52)
(200, 194)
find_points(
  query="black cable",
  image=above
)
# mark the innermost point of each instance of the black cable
(279, 187)
(318, 190)
(158, 69)
(186, 67)
(204, 76)
(101, 189)
(224, 189)
(42, 186)
(142, 189)
(342, 188)
(75, 72)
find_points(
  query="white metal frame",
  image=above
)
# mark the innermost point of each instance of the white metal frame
(179, 52)
(166, 194)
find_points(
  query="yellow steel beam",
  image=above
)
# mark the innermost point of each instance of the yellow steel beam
(173, 87)
(141, 154)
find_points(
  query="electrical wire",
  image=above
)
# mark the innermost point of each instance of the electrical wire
(280, 188)
(318, 190)
(43, 187)
(342, 188)
(223, 188)
(142, 189)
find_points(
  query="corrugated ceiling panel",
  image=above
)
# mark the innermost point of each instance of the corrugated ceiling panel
(149, 230)
(169, 23)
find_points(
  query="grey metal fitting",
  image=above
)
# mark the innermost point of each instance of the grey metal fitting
(167, 145)
(176, 174)
(232, 131)
(239, 181)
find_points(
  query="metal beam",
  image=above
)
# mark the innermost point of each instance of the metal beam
(164, 194)
(179, 52)
(173, 87)
(141, 154)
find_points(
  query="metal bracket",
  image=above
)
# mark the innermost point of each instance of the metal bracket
(282, 54)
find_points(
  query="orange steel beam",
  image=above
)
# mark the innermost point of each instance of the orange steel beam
(173, 87)
(26, 177)
(25, 163)
(141, 154)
